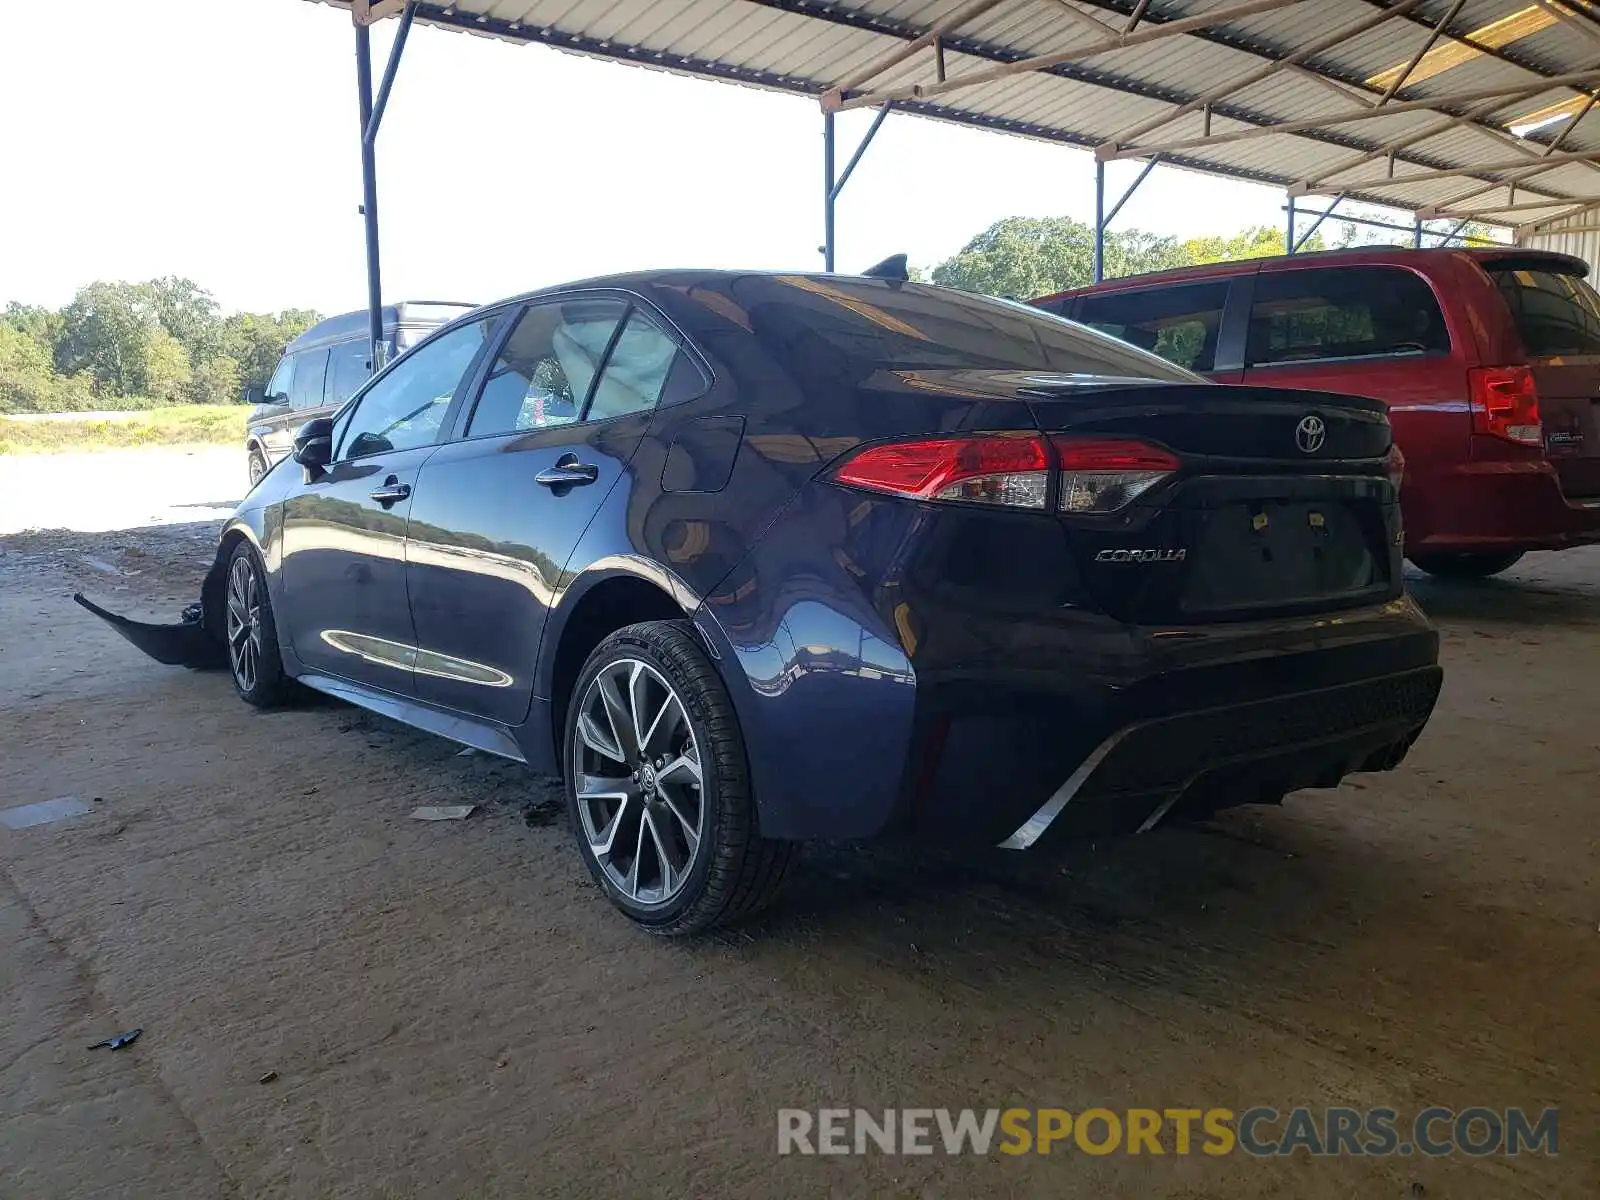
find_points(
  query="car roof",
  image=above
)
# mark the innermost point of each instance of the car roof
(351, 326)
(1355, 256)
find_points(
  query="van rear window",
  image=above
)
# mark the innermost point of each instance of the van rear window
(1555, 313)
(1314, 314)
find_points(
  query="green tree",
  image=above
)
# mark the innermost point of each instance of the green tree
(27, 376)
(1032, 256)
(255, 341)
(107, 330)
(188, 312)
(1256, 241)
(216, 381)
(167, 372)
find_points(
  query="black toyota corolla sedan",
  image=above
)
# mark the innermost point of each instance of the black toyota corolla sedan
(750, 559)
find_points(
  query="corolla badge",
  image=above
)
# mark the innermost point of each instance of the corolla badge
(1310, 433)
(1141, 556)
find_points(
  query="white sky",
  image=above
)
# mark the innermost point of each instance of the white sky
(218, 139)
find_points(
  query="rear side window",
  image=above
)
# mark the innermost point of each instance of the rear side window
(542, 374)
(309, 371)
(1314, 315)
(1178, 323)
(844, 329)
(636, 370)
(1554, 313)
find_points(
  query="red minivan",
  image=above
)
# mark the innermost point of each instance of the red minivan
(1489, 361)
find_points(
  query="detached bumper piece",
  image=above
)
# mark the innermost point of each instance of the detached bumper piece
(1240, 754)
(186, 644)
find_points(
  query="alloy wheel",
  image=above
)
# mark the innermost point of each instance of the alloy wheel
(636, 772)
(244, 623)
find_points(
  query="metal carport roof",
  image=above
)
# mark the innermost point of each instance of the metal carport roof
(1420, 104)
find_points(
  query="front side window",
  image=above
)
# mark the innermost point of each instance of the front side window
(1179, 323)
(347, 371)
(282, 380)
(1314, 314)
(309, 373)
(1555, 313)
(405, 408)
(541, 377)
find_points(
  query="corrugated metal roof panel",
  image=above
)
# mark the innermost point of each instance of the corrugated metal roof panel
(809, 46)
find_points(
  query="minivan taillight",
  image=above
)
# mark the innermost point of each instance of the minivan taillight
(1103, 475)
(1012, 470)
(1006, 469)
(1505, 404)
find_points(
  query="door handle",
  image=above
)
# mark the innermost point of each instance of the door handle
(392, 492)
(568, 472)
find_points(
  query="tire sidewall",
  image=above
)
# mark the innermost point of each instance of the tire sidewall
(257, 468)
(269, 671)
(625, 645)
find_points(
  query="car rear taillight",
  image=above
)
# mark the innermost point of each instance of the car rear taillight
(1103, 475)
(1505, 404)
(1012, 470)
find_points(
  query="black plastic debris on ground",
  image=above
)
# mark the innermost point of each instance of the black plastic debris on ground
(118, 1042)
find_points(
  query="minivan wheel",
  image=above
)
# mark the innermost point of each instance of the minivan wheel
(258, 467)
(1465, 566)
(251, 634)
(658, 785)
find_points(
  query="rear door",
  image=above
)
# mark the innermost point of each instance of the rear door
(1557, 317)
(560, 411)
(1183, 323)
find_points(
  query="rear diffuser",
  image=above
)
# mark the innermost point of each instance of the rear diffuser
(187, 644)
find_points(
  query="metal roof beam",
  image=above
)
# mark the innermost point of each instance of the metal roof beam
(1544, 155)
(1426, 176)
(1422, 50)
(1450, 211)
(833, 101)
(1240, 82)
(899, 54)
(1501, 91)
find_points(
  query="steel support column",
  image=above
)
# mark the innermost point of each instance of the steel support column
(1416, 235)
(371, 122)
(829, 193)
(369, 197)
(835, 186)
(1288, 240)
(1099, 220)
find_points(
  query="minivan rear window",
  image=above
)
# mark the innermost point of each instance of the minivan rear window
(1555, 313)
(1312, 314)
(1179, 323)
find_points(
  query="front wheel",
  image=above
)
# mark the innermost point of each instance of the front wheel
(257, 467)
(658, 785)
(251, 632)
(1465, 566)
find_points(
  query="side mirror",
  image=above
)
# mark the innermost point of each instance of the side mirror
(255, 395)
(313, 445)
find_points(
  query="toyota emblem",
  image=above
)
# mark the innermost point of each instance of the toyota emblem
(1310, 433)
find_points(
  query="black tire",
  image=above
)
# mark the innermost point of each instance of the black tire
(734, 871)
(258, 466)
(1465, 566)
(250, 633)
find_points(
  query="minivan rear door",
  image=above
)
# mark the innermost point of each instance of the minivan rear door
(1557, 316)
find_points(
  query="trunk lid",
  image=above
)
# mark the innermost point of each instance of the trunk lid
(1281, 503)
(1557, 316)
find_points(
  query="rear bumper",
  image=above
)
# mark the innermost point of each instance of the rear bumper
(1491, 506)
(1237, 754)
(1182, 719)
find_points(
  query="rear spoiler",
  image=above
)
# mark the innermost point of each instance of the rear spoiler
(1518, 258)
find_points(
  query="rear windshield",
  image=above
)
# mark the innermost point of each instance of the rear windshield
(865, 325)
(1554, 312)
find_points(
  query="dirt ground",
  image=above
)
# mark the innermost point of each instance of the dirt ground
(339, 1001)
